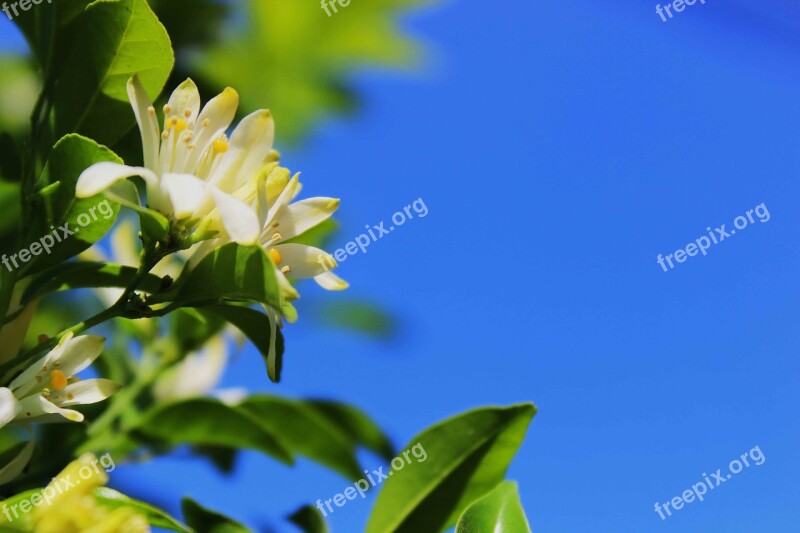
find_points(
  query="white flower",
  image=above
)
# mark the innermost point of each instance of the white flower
(191, 169)
(196, 375)
(43, 391)
(271, 194)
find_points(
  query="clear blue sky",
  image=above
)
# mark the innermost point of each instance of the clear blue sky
(560, 147)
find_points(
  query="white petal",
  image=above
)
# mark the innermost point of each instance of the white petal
(184, 98)
(148, 122)
(77, 354)
(85, 392)
(304, 261)
(9, 406)
(189, 195)
(101, 176)
(196, 375)
(17, 464)
(331, 282)
(239, 219)
(301, 216)
(37, 408)
(219, 111)
(286, 196)
(248, 148)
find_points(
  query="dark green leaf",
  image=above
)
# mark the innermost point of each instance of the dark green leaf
(204, 520)
(259, 329)
(309, 519)
(234, 273)
(204, 421)
(467, 456)
(304, 431)
(55, 204)
(500, 511)
(111, 41)
(357, 426)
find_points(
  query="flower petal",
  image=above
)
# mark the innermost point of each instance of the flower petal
(331, 282)
(9, 406)
(239, 219)
(301, 216)
(196, 375)
(249, 146)
(37, 407)
(304, 261)
(86, 392)
(147, 120)
(184, 103)
(219, 112)
(189, 195)
(101, 176)
(78, 353)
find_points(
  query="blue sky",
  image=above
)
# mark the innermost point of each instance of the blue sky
(560, 147)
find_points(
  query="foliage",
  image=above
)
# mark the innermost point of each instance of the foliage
(173, 241)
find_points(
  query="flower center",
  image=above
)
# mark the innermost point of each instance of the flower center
(58, 380)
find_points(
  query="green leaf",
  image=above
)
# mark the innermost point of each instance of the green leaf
(192, 328)
(500, 511)
(231, 273)
(204, 421)
(467, 456)
(357, 426)
(55, 205)
(363, 317)
(259, 329)
(23, 521)
(111, 41)
(155, 517)
(274, 37)
(18, 89)
(84, 275)
(304, 431)
(309, 519)
(204, 520)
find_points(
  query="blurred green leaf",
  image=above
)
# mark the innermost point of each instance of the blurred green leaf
(309, 519)
(357, 426)
(360, 316)
(205, 520)
(467, 456)
(204, 421)
(294, 58)
(112, 40)
(19, 86)
(155, 516)
(500, 511)
(304, 431)
(192, 329)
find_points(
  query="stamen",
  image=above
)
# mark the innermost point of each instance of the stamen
(58, 380)
(206, 122)
(167, 109)
(221, 145)
(275, 255)
(151, 111)
(286, 269)
(180, 124)
(277, 236)
(187, 113)
(164, 136)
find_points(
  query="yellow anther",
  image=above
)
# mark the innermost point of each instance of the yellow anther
(286, 269)
(167, 109)
(276, 236)
(187, 113)
(221, 145)
(165, 136)
(180, 125)
(206, 122)
(275, 255)
(151, 111)
(58, 380)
